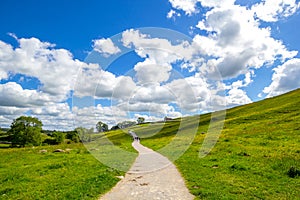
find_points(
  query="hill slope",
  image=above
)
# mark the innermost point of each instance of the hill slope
(258, 146)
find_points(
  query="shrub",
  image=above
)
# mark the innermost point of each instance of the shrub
(59, 137)
(73, 136)
(293, 172)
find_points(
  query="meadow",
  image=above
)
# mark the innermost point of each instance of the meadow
(253, 157)
(26, 173)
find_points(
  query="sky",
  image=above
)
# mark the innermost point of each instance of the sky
(74, 63)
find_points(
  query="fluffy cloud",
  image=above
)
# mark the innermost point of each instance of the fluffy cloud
(266, 10)
(160, 51)
(153, 93)
(235, 40)
(52, 109)
(285, 78)
(239, 43)
(106, 47)
(54, 68)
(6, 54)
(194, 93)
(233, 44)
(13, 95)
(272, 10)
(160, 54)
(55, 71)
(153, 108)
(172, 14)
(216, 3)
(236, 97)
(188, 6)
(11, 110)
(102, 84)
(148, 72)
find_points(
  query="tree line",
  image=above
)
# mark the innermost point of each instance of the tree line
(27, 131)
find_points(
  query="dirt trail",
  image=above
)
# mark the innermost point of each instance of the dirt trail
(152, 176)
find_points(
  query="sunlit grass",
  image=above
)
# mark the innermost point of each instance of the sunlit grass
(259, 143)
(25, 173)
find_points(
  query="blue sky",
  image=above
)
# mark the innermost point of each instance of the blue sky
(73, 63)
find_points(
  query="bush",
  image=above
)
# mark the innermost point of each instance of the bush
(84, 134)
(59, 137)
(50, 141)
(73, 136)
(293, 172)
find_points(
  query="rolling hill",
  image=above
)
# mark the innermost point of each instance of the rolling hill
(257, 154)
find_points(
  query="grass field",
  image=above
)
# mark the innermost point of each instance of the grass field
(25, 173)
(259, 143)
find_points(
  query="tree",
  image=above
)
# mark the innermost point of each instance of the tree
(140, 120)
(59, 137)
(26, 130)
(126, 124)
(115, 127)
(84, 134)
(101, 127)
(73, 136)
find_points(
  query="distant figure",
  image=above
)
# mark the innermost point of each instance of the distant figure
(134, 136)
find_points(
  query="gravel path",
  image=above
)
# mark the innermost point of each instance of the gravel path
(152, 176)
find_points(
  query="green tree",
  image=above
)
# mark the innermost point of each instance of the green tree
(84, 134)
(101, 127)
(140, 120)
(73, 136)
(126, 124)
(59, 137)
(26, 130)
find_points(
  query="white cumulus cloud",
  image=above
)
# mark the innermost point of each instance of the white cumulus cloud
(273, 10)
(285, 78)
(106, 47)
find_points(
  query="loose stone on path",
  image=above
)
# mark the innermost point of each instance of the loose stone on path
(152, 176)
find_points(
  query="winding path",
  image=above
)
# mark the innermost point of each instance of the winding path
(152, 176)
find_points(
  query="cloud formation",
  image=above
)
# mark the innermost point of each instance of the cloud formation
(219, 62)
(106, 47)
(285, 78)
(273, 10)
(237, 43)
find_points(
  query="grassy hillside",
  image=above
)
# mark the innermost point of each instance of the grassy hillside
(259, 144)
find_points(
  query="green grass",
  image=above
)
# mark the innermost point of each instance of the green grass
(113, 149)
(258, 145)
(25, 173)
